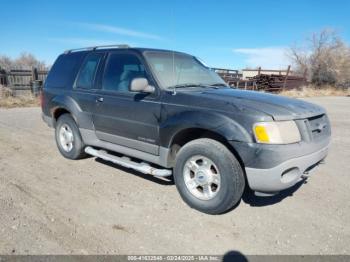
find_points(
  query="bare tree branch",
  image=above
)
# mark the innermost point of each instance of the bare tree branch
(326, 57)
(24, 61)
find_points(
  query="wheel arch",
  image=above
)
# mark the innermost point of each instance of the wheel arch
(184, 136)
(57, 112)
(214, 122)
(181, 128)
(66, 104)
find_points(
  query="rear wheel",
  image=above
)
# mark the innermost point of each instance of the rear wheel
(68, 138)
(208, 176)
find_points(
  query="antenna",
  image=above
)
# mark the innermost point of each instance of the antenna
(174, 91)
(173, 52)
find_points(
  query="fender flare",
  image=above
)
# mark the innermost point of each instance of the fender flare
(83, 119)
(211, 121)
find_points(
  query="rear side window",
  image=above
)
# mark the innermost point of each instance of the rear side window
(64, 70)
(88, 70)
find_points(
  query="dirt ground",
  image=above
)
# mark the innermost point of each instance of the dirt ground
(51, 205)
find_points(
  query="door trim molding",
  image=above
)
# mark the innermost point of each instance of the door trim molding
(128, 142)
(163, 159)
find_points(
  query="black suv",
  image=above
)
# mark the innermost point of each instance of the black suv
(165, 113)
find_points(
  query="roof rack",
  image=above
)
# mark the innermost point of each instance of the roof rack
(96, 47)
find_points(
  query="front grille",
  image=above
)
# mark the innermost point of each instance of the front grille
(318, 126)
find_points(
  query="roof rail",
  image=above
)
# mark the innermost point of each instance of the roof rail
(96, 47)
(111, 46)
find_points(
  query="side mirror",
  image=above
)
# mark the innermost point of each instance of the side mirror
(140, 84)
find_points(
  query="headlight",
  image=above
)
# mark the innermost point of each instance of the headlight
(283, 132)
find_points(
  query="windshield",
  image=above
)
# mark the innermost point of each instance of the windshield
(181, 70)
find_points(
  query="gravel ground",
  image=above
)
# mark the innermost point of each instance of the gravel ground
(51, 205)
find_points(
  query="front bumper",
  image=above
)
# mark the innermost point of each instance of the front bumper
(286, 174)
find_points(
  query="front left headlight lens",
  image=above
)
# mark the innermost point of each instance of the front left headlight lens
(279, 132)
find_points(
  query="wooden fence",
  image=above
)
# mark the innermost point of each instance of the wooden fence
(230, 76)
(21, 81)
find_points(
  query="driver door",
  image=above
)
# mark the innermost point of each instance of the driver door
(122, 117)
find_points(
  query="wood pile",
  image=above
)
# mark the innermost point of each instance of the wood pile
(276, 83)
(269, 82)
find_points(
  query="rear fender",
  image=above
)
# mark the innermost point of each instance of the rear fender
(83, 119)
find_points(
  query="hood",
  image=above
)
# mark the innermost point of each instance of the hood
(278, 107)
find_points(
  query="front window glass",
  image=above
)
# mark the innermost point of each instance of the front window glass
(120, 70)
(176, 69)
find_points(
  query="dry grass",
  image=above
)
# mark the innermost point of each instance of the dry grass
(23, 101)
(7, 100)
(311, 91)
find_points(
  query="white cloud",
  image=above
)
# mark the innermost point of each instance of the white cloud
(118, 30)
(266, 57)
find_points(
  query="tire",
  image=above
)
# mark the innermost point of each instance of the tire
(198, 164)
(75, 150)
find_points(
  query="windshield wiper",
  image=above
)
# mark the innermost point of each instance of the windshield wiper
(218, 84)
(184, 86)
(215, 85)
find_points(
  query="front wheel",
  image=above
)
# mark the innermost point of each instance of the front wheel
(208, 176)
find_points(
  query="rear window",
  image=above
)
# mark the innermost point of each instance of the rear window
(64, 70)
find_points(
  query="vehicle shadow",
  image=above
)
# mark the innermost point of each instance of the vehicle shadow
(235, 256)
(166, 181)
(258, 201)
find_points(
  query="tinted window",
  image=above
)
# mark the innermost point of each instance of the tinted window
(120, 70)
(87, 72)
(64, 69)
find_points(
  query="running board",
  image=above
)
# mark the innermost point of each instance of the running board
(126, 162)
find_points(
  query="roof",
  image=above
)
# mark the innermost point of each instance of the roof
(119, 47)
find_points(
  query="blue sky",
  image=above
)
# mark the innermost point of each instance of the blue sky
(230, 34)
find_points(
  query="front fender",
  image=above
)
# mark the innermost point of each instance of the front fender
(212, 121)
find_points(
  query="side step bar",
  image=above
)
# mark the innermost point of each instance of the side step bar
(126, 162)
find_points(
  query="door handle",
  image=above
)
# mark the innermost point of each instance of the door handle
(99, 99)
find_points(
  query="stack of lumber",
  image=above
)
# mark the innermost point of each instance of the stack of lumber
(276, 83)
